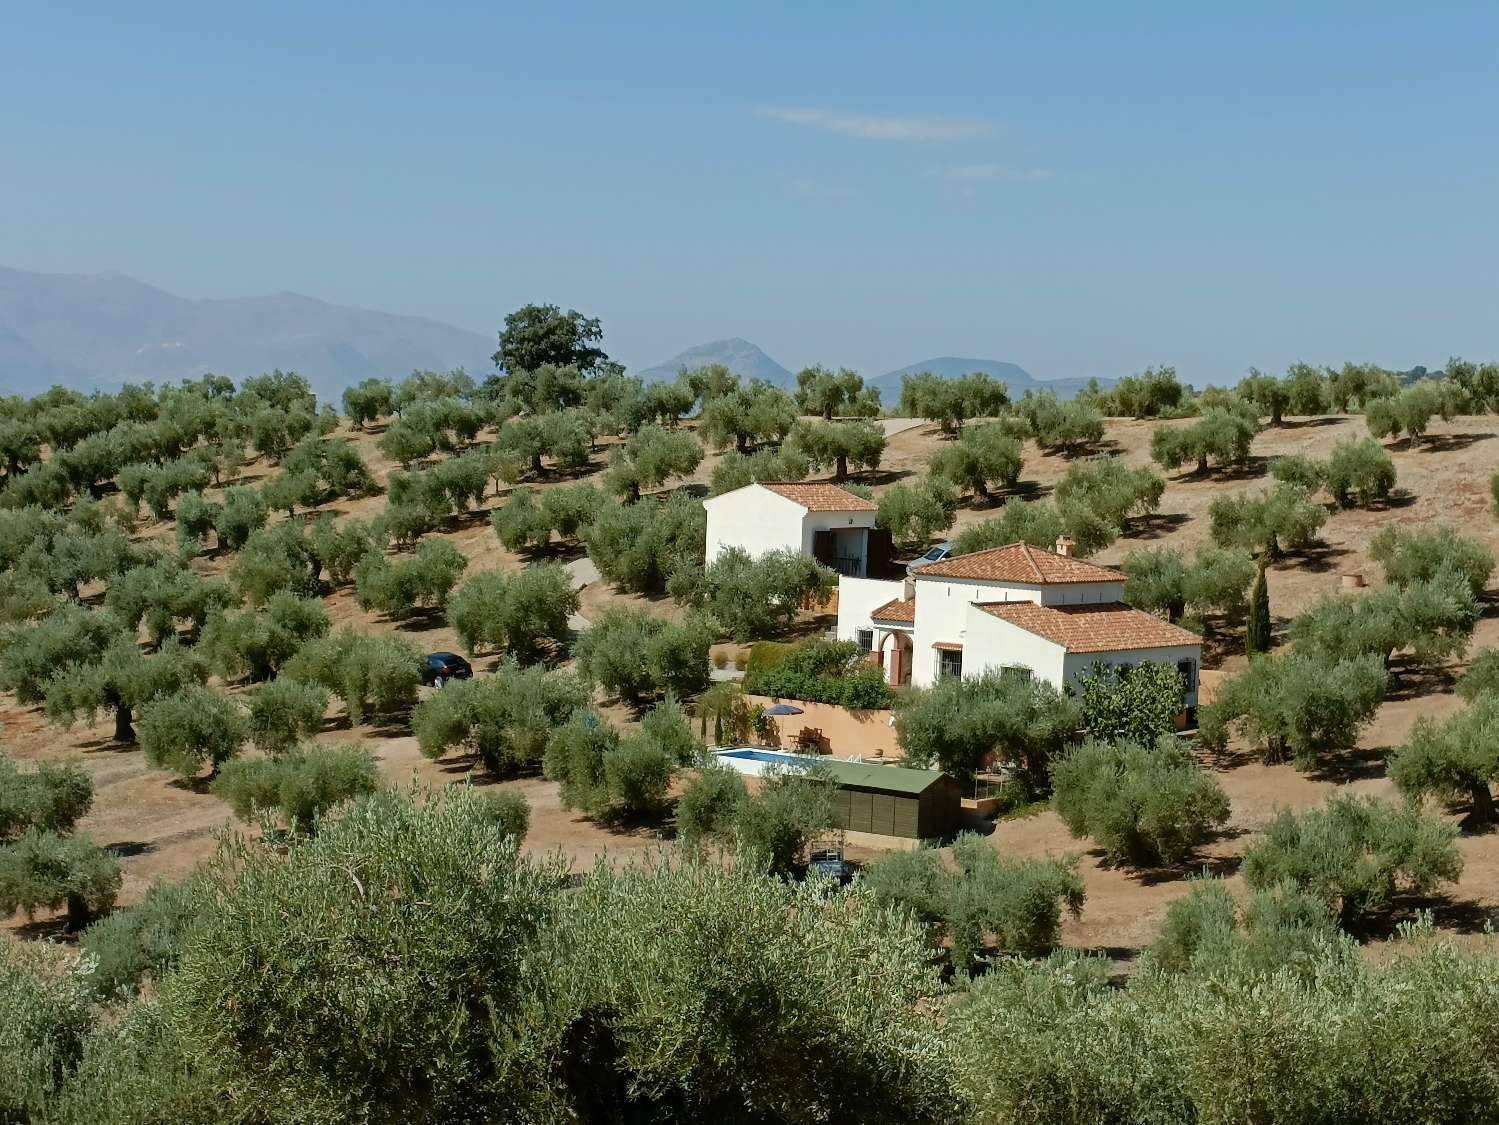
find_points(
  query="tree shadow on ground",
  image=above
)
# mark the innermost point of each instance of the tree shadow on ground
(1194, 866)
(1409, 681)
(421, 620)
(48, 929)
(1316, 558)
(1400, 498)
(1157, 525)
(1451, 443)
(1448, 912)
(1359, 764)
(127, 849)
(877, 477)
(1309, 422)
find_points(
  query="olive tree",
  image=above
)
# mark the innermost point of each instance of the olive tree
(914, 512)
(1036, 522)
(1418, 554)
(121, 682)
(1354, 853)
(505, 719)
(1266, 524)
(649, 458)
(984, 457)
(300, 785)
(961, 725)
(256, 643)
(399, 587)
(1431, 620)
(755, 597)
(837, 445)
(50, 795)
(747, 415)
(525, 614)
(828, 394)
(1057, 426)
(375, 676)
(42, 870)
(32, 653)
(637, 547)
(1295, 705)
(1455, 759)
(709, 805)
(182, 731)
(1360, 474)
(1147, 805)
(1212, 581)
(635, 655)
(285, 712)
(368, 402)
(328, 1005)
(1221, 437)
(952, 402)
(1014, 904)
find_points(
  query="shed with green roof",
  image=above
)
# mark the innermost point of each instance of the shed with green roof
(894, 800)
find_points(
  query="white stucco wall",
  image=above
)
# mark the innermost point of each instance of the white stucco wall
(992, 643)
(1077, 664)
(756, 520)
(857, 598)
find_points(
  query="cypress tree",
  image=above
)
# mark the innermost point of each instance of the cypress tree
(1257, 634)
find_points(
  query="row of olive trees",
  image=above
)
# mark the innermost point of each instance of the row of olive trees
(404, 912)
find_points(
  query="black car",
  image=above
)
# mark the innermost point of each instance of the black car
(444, 666)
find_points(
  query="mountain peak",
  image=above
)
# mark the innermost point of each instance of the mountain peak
(743, 358)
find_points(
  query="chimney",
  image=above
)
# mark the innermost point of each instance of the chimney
(1064, 546)
(908, 588)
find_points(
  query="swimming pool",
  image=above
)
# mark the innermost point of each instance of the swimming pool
(753, 761)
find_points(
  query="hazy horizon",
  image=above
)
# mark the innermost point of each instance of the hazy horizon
(1079, 193)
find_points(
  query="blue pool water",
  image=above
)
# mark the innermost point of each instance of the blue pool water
(765, 756)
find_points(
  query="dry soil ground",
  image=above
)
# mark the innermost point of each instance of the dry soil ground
(162, 827)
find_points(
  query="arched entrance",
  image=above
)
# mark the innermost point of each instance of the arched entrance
(895, 657)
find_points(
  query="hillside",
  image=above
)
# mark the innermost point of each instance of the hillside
(164, 828)
(92, 331)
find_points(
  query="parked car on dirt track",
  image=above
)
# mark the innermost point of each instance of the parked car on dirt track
(444, 666)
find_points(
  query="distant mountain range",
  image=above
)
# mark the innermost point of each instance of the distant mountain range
(100, 330)
(97, 331)
(749, 361)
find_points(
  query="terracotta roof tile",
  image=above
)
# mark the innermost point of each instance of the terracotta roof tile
(897, 610)
(1020, 562)
(822, 497)
(1097, 627)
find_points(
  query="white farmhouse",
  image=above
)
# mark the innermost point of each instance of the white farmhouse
(827, 523)
(1018, 607)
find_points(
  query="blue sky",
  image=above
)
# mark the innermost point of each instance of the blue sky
(1082, 189)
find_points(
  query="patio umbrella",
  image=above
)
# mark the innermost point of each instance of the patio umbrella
(783, 709)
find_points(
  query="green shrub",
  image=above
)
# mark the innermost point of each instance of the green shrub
(285, 712)
(182, 731)
(1353, 853)
(42, 870)
(143, 942)
(300, 785)
(1147, 806)
(822, 671)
